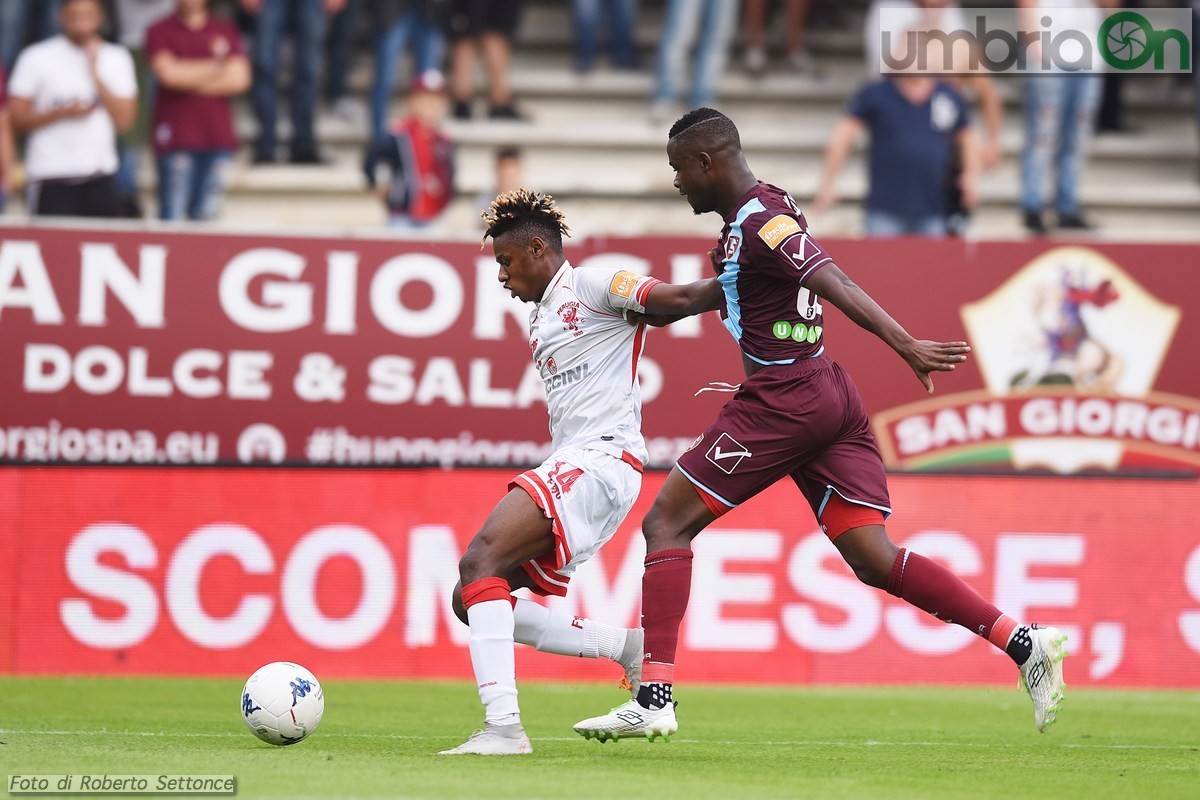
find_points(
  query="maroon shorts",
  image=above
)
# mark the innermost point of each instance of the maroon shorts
(804, 420)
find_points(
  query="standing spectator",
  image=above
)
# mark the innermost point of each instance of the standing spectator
(199, 64)
(978, 87)
(134, 18)
(39, 18)
(399, 24)
(620, 16)
(508, 176)
(1060, 114)
(306, 21)
(754, 59)
(706, 24)
(486, 25)
(6, 143)
(418, 158)
(916, 122)
(342, 30)
(71, 95)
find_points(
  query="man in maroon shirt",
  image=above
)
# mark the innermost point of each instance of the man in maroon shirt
(797, 415)
(199, 65)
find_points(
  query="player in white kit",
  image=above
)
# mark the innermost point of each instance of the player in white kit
(555, 517)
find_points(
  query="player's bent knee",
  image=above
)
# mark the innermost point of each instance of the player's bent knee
(456, 604)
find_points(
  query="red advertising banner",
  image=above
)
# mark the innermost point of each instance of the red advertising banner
(163, 348)
(217, 571)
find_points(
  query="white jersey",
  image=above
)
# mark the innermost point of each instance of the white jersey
(587, 353)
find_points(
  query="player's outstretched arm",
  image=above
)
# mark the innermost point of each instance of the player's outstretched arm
(925, 357)
(671, 302)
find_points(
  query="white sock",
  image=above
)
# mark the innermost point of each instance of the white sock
(492, 657)
(555, 631)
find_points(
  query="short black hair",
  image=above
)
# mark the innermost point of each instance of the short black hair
(528, 213)
(507, 151)
(705, 125)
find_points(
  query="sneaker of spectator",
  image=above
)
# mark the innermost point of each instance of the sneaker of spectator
(705, 25)
(412, 167)
(69, 96)
(199, 65)
(488, 28)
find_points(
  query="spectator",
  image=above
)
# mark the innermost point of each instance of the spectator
(342, 30)
(754, 59)
(487, 25)
(18, 17)
(71, 95)
(915, 123)
(620, 16)
(418, 158)
(6, 143)
(199, 65)
(508, 175)
(134, 18)
(706, 24)
(978, 86)
(1060, 114)
(398, 24)
(306, 21)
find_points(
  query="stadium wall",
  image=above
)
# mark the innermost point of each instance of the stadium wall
(124, 570)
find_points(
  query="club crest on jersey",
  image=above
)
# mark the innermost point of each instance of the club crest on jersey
(551, 367)
(777, 229)
(731, 246)
(726, 453)
(570, 317)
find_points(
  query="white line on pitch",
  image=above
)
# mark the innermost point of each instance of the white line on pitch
(796, 743)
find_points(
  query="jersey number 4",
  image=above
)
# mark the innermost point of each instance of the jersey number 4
(564, 480)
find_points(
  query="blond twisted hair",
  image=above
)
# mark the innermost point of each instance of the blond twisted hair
(520, 207)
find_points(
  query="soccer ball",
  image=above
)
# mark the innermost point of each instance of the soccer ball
(282, 703)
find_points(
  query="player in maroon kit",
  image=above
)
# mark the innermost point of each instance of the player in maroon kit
(797, 415)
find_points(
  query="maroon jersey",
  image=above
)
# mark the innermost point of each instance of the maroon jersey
(188, 120)
(768, 257)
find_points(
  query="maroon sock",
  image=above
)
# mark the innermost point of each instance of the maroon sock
(932, 588)
(666, 585)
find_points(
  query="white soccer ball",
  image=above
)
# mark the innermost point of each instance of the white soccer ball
(282, 703)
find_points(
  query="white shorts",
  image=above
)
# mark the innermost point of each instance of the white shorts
(586, 494)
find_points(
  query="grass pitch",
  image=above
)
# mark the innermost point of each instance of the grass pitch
(380, 739)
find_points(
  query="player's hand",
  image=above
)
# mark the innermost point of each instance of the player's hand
(716, 260)
(926, 357)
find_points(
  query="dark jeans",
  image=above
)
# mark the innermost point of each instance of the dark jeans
(341, 48)
(305, 20)
(18, 16)
(620, 17)
(89, 197)
(428, 44)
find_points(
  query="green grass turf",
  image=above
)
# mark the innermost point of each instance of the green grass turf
(379, 739)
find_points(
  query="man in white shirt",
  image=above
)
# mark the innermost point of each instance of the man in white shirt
(70, 96)
(557, 515)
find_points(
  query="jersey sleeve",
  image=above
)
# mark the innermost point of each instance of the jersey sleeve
(783, 245)
(613, 291)
(25, 80)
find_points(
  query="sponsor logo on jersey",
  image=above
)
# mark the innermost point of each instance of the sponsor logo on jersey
(777, 229)
(623, 284)
(570, 317)
(567, 377)
(726, 453)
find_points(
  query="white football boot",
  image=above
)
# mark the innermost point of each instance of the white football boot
(631, 660)
(494, 740)
(1042, 674)
(630, 719)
